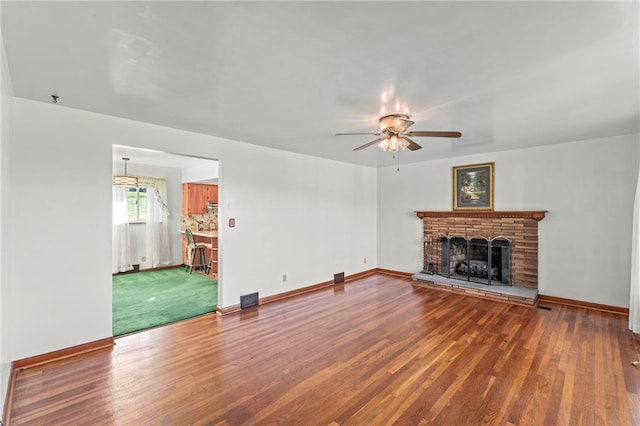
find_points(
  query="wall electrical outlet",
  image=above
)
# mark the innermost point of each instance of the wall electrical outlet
(284, 278)
(365, 260)
(143, 258)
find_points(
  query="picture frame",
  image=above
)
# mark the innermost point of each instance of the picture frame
(473, 187)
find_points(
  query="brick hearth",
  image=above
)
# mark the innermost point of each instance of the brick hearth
(520, 227)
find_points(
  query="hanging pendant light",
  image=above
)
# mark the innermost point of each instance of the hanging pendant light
(124, 180)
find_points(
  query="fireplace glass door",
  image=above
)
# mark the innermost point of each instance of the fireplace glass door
(477, 260)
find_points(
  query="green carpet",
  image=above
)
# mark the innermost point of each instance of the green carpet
(149, 299)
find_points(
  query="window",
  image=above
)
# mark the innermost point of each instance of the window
(137, 204)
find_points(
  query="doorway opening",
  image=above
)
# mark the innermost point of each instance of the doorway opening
(162, 291)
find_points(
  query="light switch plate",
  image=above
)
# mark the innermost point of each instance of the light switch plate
(232, 222)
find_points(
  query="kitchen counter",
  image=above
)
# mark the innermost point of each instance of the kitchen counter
(207, 234)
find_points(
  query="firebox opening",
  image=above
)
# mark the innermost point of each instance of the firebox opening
(479, 260)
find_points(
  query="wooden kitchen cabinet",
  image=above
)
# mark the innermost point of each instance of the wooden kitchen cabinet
(195, 197)
(212, 194)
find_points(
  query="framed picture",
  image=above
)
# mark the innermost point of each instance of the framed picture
(473, 187)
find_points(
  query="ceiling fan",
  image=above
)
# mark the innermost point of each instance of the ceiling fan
(393, 135)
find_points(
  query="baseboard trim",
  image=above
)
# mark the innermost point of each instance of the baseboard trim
(581, 304)
(296, 292)
(227, 310)
(160, 268)
(293, 293)
(33, 361)
(359, 275)
(541, 297)
(393, 273)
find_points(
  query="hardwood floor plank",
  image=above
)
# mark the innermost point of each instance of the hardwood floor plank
(376, 351)
(582, 406)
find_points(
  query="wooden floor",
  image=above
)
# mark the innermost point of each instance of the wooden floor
(377, 351)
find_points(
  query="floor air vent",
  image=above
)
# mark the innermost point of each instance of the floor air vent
(338, 278)
(248, 300)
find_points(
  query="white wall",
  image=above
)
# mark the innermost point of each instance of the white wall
(207, 172)
(297, 215)
(6, 138)
(174, 203)
(587, 187)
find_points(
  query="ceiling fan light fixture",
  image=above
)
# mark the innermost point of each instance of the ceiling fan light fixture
(394, 144)
(384, 144)
(395, 123)
(392, 120)
(393, 135)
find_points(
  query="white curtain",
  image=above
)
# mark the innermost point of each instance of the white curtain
(120, 246)
(157, 240)
(160, 184)
(634, 299)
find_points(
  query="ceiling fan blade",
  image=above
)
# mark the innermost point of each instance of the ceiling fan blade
(412, 145)
(343, 134)
(367, 145)
(434, 134)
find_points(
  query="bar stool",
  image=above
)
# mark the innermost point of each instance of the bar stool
(194, 249)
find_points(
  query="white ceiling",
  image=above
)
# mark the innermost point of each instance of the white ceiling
(292, 74)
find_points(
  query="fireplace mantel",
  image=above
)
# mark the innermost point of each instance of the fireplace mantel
(536, 215)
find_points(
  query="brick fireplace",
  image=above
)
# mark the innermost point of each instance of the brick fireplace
(519, 228)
